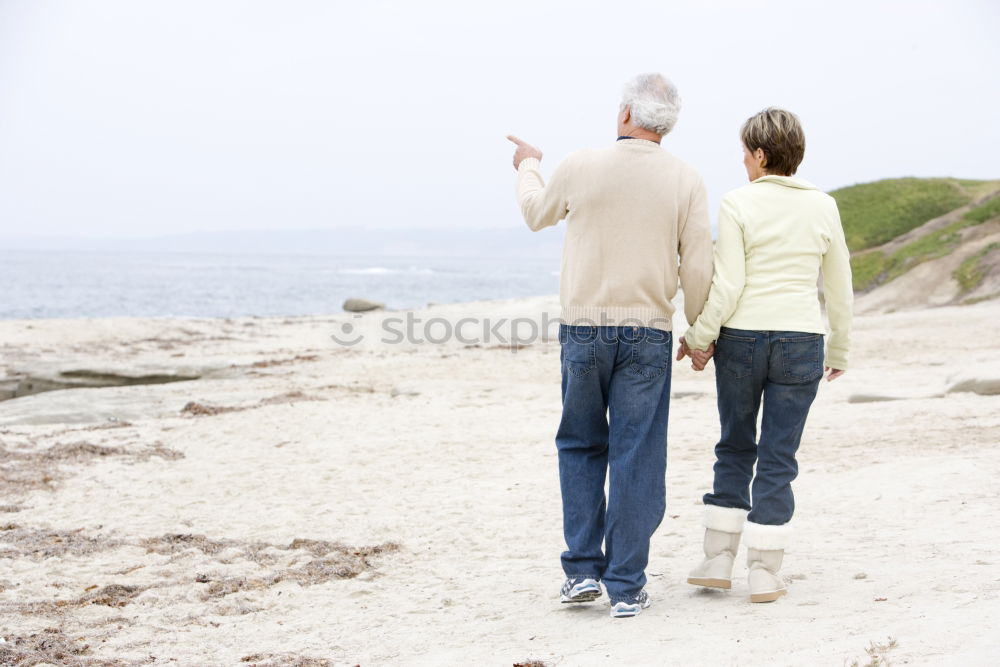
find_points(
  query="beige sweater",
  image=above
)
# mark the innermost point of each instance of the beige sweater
(631, 209)
(775, 237)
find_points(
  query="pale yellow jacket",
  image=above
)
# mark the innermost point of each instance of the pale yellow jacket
(776, 235)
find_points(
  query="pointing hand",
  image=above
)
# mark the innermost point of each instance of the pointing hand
(523, 150)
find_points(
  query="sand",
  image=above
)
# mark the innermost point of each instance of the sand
(306, 503)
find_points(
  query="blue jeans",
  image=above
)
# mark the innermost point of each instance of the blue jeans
(616, 396)
(784, 368)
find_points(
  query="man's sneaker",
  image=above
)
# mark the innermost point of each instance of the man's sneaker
(633, 607)
(580, 590)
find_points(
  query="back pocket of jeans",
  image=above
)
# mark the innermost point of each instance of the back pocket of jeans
(651, 353)
(734, 355)
(802, 358)
(579, 349)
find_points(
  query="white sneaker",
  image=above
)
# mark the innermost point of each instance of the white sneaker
(580, 590)
(633, 607)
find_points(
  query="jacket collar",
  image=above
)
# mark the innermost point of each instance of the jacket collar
(787, 181)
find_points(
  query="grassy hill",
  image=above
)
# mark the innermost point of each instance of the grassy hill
(876, 215)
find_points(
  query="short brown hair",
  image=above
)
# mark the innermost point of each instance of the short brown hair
(779, 134)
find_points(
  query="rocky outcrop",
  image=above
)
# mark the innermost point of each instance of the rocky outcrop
(42, 379)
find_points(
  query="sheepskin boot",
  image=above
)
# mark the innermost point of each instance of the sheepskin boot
(765, 551)
(723, 526)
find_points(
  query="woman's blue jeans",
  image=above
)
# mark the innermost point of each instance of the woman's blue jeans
(783, 369)
(616, 396)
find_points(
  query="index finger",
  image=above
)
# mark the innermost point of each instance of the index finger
(511, 137)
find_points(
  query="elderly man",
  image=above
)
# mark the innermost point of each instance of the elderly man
(631, 210)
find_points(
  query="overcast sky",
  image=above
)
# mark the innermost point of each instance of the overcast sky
(126, 117)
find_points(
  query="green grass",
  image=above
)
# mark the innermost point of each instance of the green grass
(980, 299)
(979, 189)
(875, 213)
(868, 269)
(971, 272)
(875, 268)
(984, 212)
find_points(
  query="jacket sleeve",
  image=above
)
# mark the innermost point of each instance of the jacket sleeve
(838, 292)
(727, 283)
(694, 246)
(542, 205)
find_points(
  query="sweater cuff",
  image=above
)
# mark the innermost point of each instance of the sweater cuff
(529, 163)
(836, 359)
(691, 338)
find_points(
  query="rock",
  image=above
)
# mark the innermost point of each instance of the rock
(984, 386)
(878, 398)
(51, 377)
(362, 305)
(9, 387)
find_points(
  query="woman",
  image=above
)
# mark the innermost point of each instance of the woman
(776, 235)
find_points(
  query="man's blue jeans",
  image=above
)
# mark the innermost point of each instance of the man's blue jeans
(784, 369)
(616, 396)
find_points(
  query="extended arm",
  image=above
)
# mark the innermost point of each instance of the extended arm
(727, 283)
(541, 205)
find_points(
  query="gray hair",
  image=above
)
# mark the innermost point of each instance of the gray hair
(653, 101)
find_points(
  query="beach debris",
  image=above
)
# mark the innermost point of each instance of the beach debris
(331, 559)
(202, 409)
(39, 544)
(403, 391)
(290, 397)
(337, 562)
(362, 305)
(354, 387)
(27, 470)
(196, 409)
(861, 575)
(267, 363)
(51, 646)
(114, 595)
(877, 654)
(285, 660)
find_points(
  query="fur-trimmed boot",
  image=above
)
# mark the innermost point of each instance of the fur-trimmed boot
(723, 526)
(765, 550)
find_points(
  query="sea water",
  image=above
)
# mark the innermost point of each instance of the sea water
(71, 284)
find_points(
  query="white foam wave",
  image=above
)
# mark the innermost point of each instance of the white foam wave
(384, 271)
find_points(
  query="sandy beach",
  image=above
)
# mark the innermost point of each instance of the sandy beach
(308, 503)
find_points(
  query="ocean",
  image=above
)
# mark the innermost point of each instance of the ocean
(73, 284)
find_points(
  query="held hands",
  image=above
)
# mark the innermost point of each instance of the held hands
(699, 358)
(523, 150)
